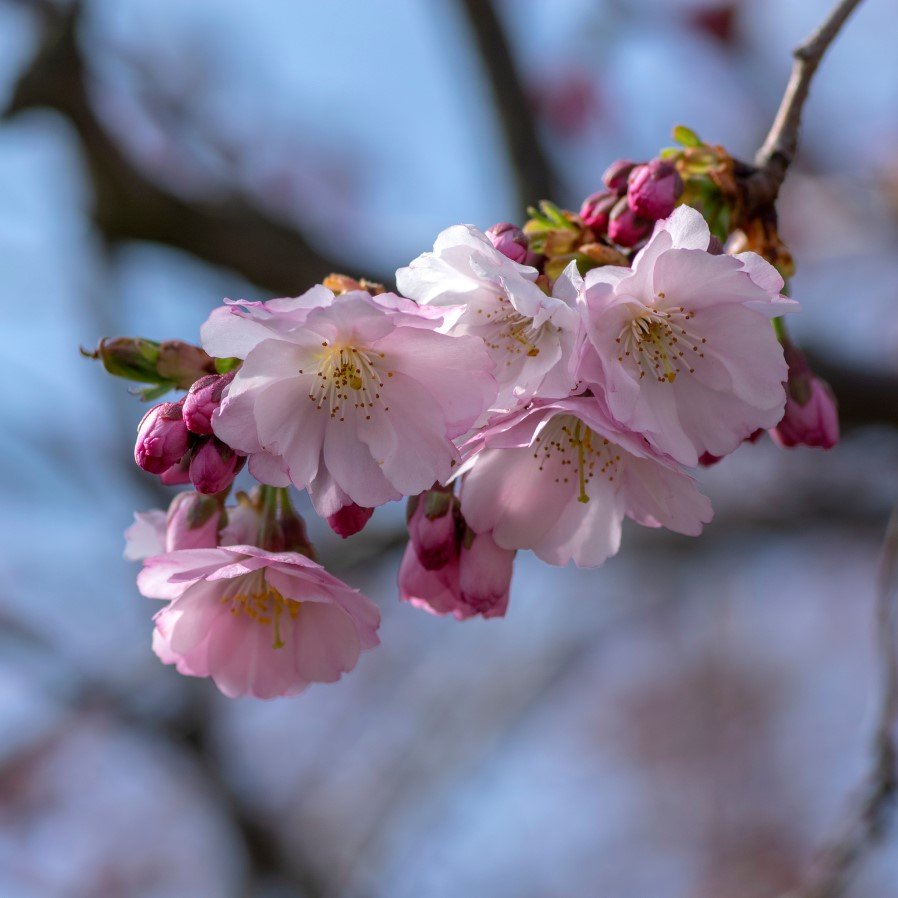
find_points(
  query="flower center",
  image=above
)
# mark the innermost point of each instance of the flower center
(576, 452)
(507, 330)
(347, 378)
(255, 597)
(661, 343)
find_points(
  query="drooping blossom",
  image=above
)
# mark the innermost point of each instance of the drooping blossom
(258, 623)
(359, 404)
(528, 334)
(681, 345)
(475, 581)
(811, 417)
(559, 478)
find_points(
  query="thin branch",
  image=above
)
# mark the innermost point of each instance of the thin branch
(875, 810)
(533, 173)
(778, 150)
(231, 232)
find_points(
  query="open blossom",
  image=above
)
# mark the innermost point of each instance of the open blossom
(258, 623)
(476, 580)
(233, 329)
(559, 478)
(529, 335)
(359, 404)
(681, 345)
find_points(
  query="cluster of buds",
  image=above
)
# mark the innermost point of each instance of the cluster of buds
(447, 567)
(636, 195)
(176, 442)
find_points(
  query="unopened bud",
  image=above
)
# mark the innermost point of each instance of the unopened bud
(626, 228)
(615, 177)
(214, 466)
(192, 522)
(349, 520)
(653, 189)
(510, 240)
(811, 416)
(484, 575)
(201, 401)
(596, 209)
(183, 363)
(432, 528)
(162, 438)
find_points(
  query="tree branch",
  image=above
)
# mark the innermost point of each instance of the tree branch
(231, 232)
(773, 159)
(533, 173)
(875, 809)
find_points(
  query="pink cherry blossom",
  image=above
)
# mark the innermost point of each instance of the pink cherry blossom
(529, 335)
(559, 478)
(233, 329)
(359, 404)
(258, 623)
(681, 345)
(475, 581)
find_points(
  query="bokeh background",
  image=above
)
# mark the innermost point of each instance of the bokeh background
(693, 720)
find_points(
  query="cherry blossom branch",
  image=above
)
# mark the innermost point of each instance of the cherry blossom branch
(535, 179)
(231, 231)
(776, 154)
(875, 809)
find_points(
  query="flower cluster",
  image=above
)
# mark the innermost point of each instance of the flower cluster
(526, 388)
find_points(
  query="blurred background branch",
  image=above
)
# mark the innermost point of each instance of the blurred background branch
(128, 205)
(533, 173)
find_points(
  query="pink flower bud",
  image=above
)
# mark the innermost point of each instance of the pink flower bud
(626, 228)
(653, 189)
(432, 528)
(811, 417)
(596, 209)
(349, 520)
(162, 438)
(484, 575)
(201, 401)
(214, 466)
(615, 177)
(510, 240)
(179, 474)
(814, 422)
(192, 522)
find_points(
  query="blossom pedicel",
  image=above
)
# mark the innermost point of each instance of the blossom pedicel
(527, 388)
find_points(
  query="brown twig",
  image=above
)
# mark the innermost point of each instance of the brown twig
(535, 180)
(232, 231)
(772, 161)
(875, 809)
